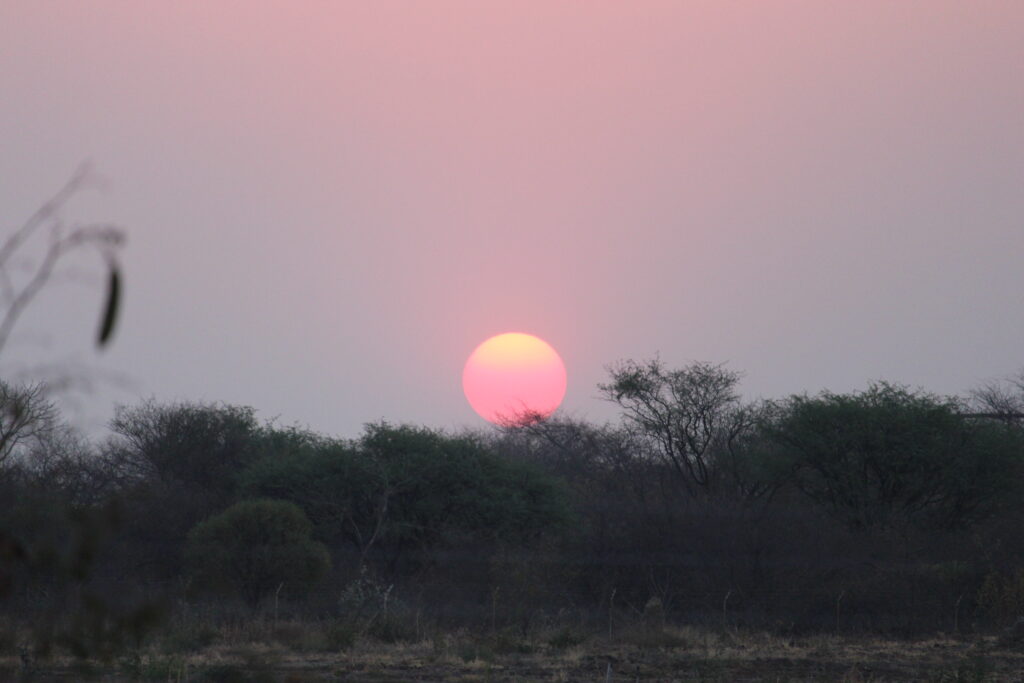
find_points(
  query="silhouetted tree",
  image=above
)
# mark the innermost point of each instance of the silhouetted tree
(26, 415)
(889, 455)
(201, 447)
(693, 415)
(1002, 400)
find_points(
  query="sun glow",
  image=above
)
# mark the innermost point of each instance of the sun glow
(514, 377)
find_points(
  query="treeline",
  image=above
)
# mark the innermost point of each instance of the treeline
(886, 510)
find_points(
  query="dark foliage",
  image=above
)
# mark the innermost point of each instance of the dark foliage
(405, 489)
(887, 510)
(255, 547)
(888, 456)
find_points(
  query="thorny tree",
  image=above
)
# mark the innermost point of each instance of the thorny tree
(693, 415)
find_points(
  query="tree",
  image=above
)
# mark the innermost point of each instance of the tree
(1002, 400)
(888, 456)
(57, 240)
(256, 546)
(197, 445)
(344, 494)
(26, 415)
(693, 415)
(402, 488)
(174, 465)
(61, 537)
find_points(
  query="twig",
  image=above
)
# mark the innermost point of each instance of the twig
(839, 600)
(277, 595)
(611, 606)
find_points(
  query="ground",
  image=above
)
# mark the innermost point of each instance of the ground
(667, 655)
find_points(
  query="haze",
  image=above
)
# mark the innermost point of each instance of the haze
(329, 205)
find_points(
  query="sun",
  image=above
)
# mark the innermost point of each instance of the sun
(514, 378)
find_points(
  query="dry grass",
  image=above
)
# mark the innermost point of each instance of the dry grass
(296, 652)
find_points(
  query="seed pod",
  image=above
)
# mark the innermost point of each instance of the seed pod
(110, 310)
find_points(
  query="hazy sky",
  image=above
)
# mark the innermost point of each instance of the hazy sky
(330, 204)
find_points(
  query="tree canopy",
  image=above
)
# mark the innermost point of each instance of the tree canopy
(887, 454)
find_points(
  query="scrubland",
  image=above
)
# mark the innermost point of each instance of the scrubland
(870, 536)
(294, 651)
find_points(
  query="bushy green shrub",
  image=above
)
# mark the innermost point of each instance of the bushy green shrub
(888, 455)
(409, 487)
(255, 547)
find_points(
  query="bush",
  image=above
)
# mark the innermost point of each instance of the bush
(256, 546)
(407, 488)
(1001, 597)
(887, 455)
(566, 637)
(340, 635)
(190, 638)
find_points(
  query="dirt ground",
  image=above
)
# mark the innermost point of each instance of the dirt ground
(670, 655)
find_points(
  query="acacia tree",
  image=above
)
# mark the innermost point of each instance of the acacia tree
(888, 456)
(1001, 400)
(693, 415)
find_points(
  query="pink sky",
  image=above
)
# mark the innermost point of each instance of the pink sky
(331, 204)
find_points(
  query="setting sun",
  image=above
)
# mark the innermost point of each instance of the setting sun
(514, 375)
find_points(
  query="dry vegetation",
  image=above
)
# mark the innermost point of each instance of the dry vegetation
(261, 650)
(834, 537)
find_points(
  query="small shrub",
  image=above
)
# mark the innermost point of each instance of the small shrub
(647, 638)
(224, 673)
(471, 652)
(83, 669)
(163, 668)
(392, 628)
(973, 669)
(299, 637)
(152, 667)
(339, 636)
(1001, 597)
(190, 638)
(255, 547)
(364, 597)
(8, 641)
(566, 638)
(505, 642)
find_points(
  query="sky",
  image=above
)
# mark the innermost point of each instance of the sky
(329, 205)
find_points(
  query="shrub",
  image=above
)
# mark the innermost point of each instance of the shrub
(190, 638)
(888, 455)
(256, 546)
(340, 635)
(566, 637)
(406, 488)
(1001, 597)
